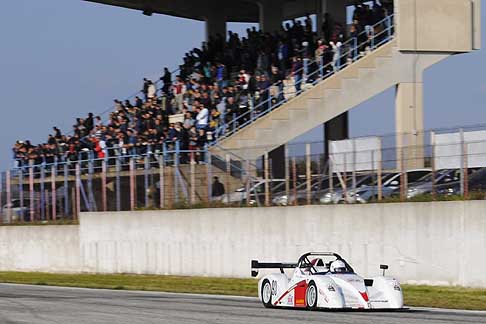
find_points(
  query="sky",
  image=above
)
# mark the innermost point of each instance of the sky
(60, 59)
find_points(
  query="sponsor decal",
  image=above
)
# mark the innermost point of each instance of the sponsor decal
(326, 299)
(290, 299)
(274, 288)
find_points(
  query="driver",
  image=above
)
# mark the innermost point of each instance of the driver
(338, 266)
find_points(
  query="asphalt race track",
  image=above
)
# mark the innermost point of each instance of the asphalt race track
(40, 305)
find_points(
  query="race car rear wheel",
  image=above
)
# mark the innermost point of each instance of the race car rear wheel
(267, 294)
(311, 295)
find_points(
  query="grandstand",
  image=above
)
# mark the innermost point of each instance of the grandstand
(237, 99)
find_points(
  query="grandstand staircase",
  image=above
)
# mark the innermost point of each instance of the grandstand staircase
(361, 80)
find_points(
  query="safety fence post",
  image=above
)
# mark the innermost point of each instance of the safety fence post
(294, 180)
(267, 179)
(331, 174)
(146, 169)
(176, 171)
(132, 184)
(344, 183)
(209, 172)
(21, 193)
(466, 173)
(42, 191)
(53, 192)
(118, 184)
(66, 189)
(170, 186)
(161, 182)
(192, 177)
(228, 175)
(461, 132)
(78, 192)
(402, 174)
(287, 171)
(308, 173)
(432, 162)
(31, 192)
(104, 200)
(9, 196)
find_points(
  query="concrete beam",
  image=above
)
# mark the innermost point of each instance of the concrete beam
(215, 23)
(337, 10)
(409, 117)
(271, 15)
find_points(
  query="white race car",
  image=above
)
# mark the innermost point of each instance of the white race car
(325, 281)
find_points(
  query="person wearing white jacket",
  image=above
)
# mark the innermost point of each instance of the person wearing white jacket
(336, 48)
(151, 90)
(202, 117)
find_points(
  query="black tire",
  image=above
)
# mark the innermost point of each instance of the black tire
(311, 296)
(266, 294)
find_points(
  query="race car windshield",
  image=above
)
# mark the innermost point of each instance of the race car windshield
(323, 264)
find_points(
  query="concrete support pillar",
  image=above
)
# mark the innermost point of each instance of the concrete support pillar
(271, 15)
(336, 12)
(277, 162)
(336, 129)
(409, 118)
(215, 23)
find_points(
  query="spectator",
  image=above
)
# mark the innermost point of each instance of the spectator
(151, 90)
(166, 80)
(336, 57)
(297, 72)
(217, 189)
(202, 117)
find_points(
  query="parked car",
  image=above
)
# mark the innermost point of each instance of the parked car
(476, 183)
(391, 183)
(443, 178)
(318, 186)
(338, 194)
(19, 210)
(256, 195)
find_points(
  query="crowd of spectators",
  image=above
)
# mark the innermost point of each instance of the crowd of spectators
(216, 83)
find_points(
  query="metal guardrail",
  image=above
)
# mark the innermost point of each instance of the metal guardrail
(351, 53)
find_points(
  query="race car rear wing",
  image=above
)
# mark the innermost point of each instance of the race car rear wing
(270, 265)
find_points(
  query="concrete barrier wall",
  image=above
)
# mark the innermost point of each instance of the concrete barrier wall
(40, 248)
(428, 243)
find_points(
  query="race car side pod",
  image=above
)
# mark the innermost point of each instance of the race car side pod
(270, 265)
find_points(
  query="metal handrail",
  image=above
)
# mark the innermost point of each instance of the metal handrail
(227, 129)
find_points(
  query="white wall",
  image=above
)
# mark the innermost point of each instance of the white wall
(39, 248)
(429, 243)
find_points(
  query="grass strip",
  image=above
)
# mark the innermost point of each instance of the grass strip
(420, 296)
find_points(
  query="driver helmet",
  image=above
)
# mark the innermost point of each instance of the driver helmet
(338, 266)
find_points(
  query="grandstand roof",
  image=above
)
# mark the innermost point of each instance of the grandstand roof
(236, 10)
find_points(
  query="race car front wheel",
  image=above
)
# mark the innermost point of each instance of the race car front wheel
(311, 295)
(267, 294)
